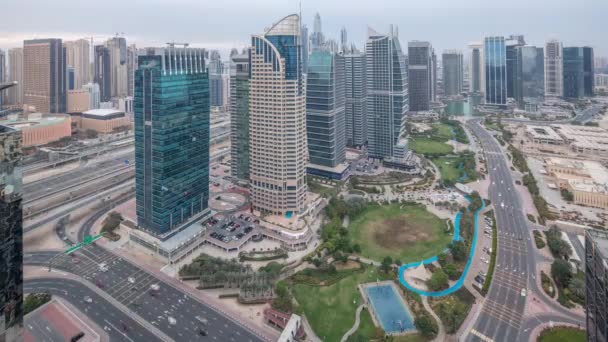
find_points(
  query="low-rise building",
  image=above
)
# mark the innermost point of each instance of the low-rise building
(586, 180)
(104, 120)
(584, 139)
(38, 129)
(543, 135)
(423, 116)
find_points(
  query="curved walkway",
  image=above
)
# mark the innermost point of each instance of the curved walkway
(355, 326)
(441, 333)
(430, 260)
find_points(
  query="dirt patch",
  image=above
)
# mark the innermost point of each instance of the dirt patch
(398, 232)
(349, 265)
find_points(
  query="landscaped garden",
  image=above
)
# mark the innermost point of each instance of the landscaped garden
(403, 232)
(429, 146)
(562, 334)
(459, 168)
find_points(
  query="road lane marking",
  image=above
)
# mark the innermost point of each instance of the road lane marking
(481, 336)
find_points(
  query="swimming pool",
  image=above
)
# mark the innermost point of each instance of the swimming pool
(389, 308)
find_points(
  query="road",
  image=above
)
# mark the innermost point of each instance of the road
(501, 317)
(118, 325)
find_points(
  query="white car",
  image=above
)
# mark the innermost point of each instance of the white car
(88, 299)
(171, 320)
(131, 280)
(103, 267)
(524, 292)
(154, 287)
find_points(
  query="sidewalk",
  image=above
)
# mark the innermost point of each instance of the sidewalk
(441, 333)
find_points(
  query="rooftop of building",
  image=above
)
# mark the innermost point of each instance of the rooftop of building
(585, 185)
(103, 112)
(19, 122)
(542, 132)
(600, 238)
(596, 172)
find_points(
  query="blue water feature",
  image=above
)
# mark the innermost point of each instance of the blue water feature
(464, 176)
(391, 311)
(288, 215)
(458, 284)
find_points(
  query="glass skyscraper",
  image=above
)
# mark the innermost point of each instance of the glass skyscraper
(574, 79)
(530, 76)
(476, 68)
(171, 120)
(589, 71)
(453, 72)
(325, 112)
(420, 75)
(11, 236)
(387, 93)
(239, 116)
(495, 61)
(356, 98)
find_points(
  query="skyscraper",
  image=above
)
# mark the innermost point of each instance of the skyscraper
(387, 93)
(495, 61)
(554, 72)
(117, 48)
(477, 78)
(596, 284)
(171, 106)
(277, 113)
(433, 78)
(215, 78)
(11, 240)
(305, 41)
(325, 113)
(103, 73)
(356, 98)
(529, 80)
(589, 70)
(453, 73)
(77, 54)
(574, 73)
(316, 38)
(44, 71)
(512, 44)
(239, 116)
(3, 76)
(131, 67)
(94, 95)
(343, 40)
(420, 75)
(15, 74)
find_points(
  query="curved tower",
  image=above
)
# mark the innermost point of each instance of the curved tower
(277, 114)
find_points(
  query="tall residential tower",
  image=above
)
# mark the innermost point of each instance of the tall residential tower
(44, 75)
(277, 114)
(239, 116)
(420, 75)
(453, 72)
(495, 61)
(554, 72)
(356, 98)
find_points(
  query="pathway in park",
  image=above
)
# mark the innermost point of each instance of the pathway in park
(441, 333)
(356, 325)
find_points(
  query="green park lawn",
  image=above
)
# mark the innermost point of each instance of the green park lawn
(562, 334)
(442, 131)
(430, 146)
(404, 232)
(448, 167)
(331, 309)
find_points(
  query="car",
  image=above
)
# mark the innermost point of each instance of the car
(202, 332)
(88, 299)
(77, 337)
(131, 280)
(171, 320)
(523, 292)
(154, 287)
(479, 279)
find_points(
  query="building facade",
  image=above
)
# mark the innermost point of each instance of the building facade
(102, 74)
(512, 44)
(78, 101)
(596, 284)
(387, 93)
(554, 69)
(14, 95)
(11, 226)
(420, 75)
(117, 49)
(477, 77)
(530, 75)
(588, 71)
(239, 116)
(94, 95)
(277, 113)
(77, 54)
(104, 120)
(495, 61)
(355, 98)
(453, 72)
(325, 111)
(44, 71)
(171, 119)
(574, 73)
(215, 78)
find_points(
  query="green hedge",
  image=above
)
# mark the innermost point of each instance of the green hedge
(488, 281)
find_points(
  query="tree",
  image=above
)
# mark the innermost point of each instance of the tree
(458, 250)
(577, 287)
(451, 270)
(561, 270)
(426, 325)
(438, 281)
(91, 134)
(442, 258)
(357, 248)
(386, 264)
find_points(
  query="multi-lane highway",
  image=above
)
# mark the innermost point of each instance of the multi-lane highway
(502, 314)
(118, 325)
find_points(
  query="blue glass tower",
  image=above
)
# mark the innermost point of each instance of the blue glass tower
(171, 108)
(495, 57)
(325, 124)
(574, 80)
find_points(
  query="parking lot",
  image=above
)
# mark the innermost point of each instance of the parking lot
(485, 244)
(232, 228)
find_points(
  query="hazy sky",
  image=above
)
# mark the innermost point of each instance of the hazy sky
(223, 24)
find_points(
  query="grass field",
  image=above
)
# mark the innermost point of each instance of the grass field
(442, 131)
(408, 234)
(331, 309)
(562, 334)
(448, 166)
(430, 146)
